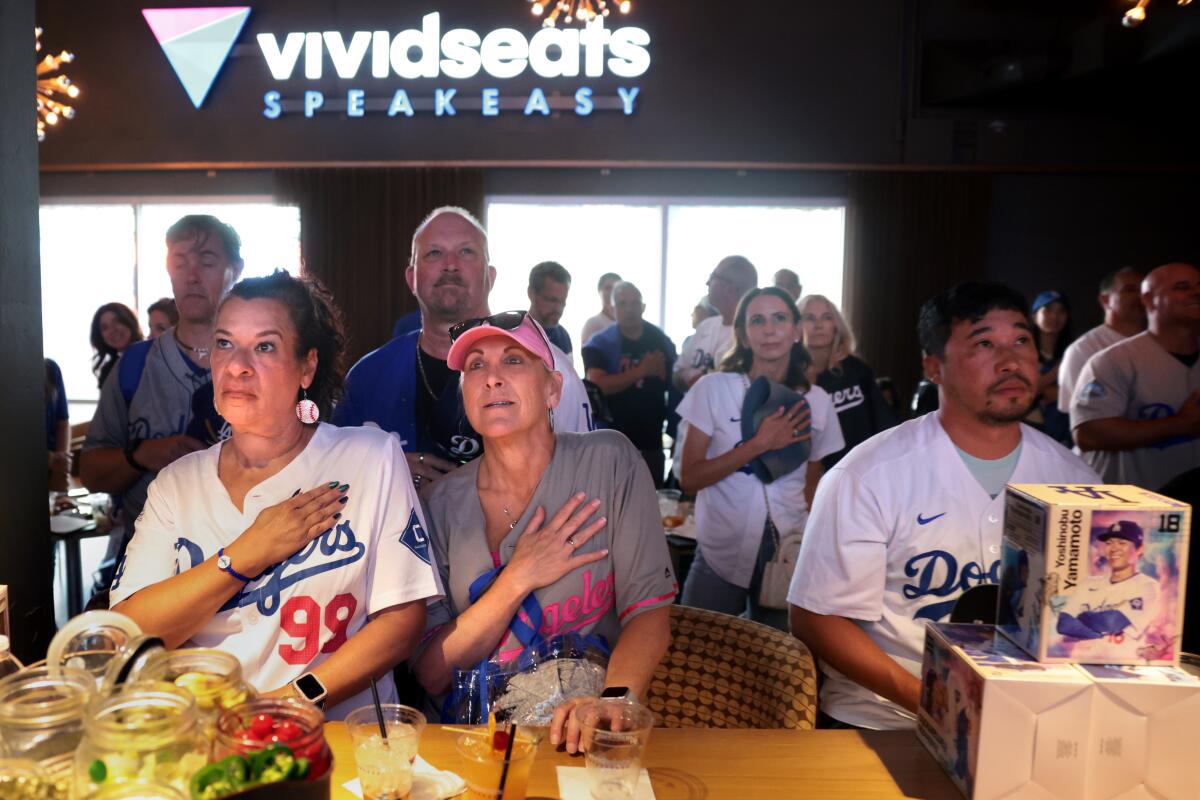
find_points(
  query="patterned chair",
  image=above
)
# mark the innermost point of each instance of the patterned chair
(729, 672)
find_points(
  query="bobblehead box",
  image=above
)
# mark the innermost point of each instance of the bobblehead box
(1093, 574)
(1001, 724)
(1142, 740)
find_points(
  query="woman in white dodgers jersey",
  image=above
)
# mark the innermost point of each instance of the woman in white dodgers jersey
(282, 543)
(732, 503)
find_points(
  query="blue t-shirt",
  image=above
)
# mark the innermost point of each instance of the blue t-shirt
(559, 337)
(56, 404)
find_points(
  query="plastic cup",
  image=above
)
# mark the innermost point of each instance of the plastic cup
(385, 767)
(484, 766)
(613, 734)
(668, 508)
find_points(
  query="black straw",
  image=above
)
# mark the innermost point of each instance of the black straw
(378, 710)
(512, 737)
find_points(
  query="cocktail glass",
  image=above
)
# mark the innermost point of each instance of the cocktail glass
(385, 766)
(486, 770)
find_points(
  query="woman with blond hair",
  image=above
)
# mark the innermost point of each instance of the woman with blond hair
(861, 409)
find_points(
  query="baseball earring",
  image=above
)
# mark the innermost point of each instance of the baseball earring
(307, 410)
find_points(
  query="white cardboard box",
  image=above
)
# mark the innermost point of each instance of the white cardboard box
(1144, 740)
(1094, 574)
(1001, 724)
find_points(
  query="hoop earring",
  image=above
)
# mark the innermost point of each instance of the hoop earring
(306, 410)
(550, 417)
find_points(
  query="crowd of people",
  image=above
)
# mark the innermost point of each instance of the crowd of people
(452, 498)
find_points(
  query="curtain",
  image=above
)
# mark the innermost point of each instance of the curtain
(356, 228)
(909, 236)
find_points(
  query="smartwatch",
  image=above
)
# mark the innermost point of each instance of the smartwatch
(619, 693)
(309, 687)
(133, 445)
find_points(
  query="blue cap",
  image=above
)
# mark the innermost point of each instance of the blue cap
(1044, 299)
(1129, 531)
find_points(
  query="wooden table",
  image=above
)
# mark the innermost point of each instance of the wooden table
(694, 763)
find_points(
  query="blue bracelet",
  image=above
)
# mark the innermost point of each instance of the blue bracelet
(225, 565)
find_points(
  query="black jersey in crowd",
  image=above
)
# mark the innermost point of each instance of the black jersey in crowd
(861, 409)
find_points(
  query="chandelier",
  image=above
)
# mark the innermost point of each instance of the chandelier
(51, 89)
(583, 11)
(1137, 15)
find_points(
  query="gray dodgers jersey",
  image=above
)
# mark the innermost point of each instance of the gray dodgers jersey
(162, 405)
(1137, 379)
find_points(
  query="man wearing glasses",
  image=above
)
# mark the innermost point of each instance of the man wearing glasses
(732, 278)
(406, 388)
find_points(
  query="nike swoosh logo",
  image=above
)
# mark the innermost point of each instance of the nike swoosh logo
(926, 520)
(735, 419)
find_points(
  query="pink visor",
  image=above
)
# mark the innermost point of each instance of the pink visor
(528, 334)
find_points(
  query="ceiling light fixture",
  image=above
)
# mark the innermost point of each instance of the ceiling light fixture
(1137, 15)
(582, 11)
(51, 89)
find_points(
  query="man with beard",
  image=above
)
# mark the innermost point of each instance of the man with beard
(406, 388)
(911, 518)
(1136, 412)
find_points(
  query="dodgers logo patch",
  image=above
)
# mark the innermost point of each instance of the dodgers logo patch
(415, 538)
(1136, 603)
(1093, 391)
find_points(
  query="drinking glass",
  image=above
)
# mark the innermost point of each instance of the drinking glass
(614, 733)
(485, 769)
(385, 767)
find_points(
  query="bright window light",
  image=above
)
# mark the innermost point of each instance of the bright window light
(671, 260)
(808, 241)
(589, 240)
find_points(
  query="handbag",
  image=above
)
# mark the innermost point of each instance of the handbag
(777, 573)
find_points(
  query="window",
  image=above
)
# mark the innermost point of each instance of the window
(588, 239)
(115, 252)
(667, 247)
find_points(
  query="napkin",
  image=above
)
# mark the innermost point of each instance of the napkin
(573, 784)
(429, 783)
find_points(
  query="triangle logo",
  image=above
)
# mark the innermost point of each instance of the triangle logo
(196, 41)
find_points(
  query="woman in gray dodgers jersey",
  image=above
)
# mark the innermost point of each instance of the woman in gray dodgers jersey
(520, 516)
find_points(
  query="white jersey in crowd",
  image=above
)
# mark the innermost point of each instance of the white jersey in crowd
(574, 411)
(731, 514)
(1137, 379)
(701, 352)
(708, 344)
(899, 529)
(593, 326)
(1077, 355)
(298, 613)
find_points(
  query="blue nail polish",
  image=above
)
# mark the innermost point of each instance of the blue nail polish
(343, 499)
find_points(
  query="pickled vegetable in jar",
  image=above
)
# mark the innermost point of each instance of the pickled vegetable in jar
(213, 677)
(147, 732)
(253, 727)
(22, 779)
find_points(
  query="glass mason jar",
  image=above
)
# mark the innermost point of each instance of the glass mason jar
(147, 732)
(21, 779)
(41, 718)
(213, 677)
(259, 723)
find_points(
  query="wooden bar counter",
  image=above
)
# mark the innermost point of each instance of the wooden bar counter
(698, 763)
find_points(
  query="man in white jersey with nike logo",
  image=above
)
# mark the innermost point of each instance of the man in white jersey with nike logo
(911, 518)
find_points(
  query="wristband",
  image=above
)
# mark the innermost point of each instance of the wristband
(129, 459)
(225, 565)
